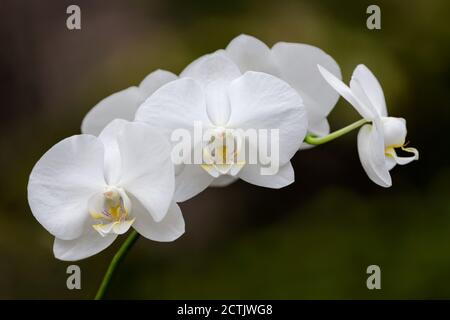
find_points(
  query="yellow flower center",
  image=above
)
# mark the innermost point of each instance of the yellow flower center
(111, 209)
(221, 153)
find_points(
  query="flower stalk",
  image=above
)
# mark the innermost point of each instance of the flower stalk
(118, 257)
(313, 140)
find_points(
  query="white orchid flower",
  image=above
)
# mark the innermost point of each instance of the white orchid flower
(123, 104)
(87, 190)
(214, 93)
(377, 142)
(295, 63)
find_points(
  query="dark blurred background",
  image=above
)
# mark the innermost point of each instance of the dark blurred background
(313, 239)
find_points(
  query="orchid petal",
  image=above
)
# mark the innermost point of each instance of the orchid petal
(62, 182)
(217, 104)
(251, 54)
(113, 163)
(371, 155)
(176, 105)
(192, 180)
(87, 245)
(223, 181)
(252, 174)
(168, 229)
(154, 81)
(147, 170)
(123, 104)
(346, 93)
(262, 101)
(390, 163)
(119, 105)
(297, 63)
(193, 64)
(215, 72)
(371, 87)
(215, 67)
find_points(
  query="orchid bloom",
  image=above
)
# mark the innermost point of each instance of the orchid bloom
(123, 104)
(377, 142)
(214, 93)
(295, 63)
(87, 190)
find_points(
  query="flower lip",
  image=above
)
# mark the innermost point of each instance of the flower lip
(394, 135)
(110, 210)
(221, 153)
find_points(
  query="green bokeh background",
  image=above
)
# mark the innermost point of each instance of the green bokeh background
(313, 239)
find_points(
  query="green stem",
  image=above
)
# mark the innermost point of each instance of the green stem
(118, 257)
(311, 139)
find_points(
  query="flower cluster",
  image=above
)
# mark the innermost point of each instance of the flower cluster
(120, 172)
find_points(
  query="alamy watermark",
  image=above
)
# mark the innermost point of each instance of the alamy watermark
(225, 150)
(73, 21)
(374, 280)
(74, 279)
(373, 22)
